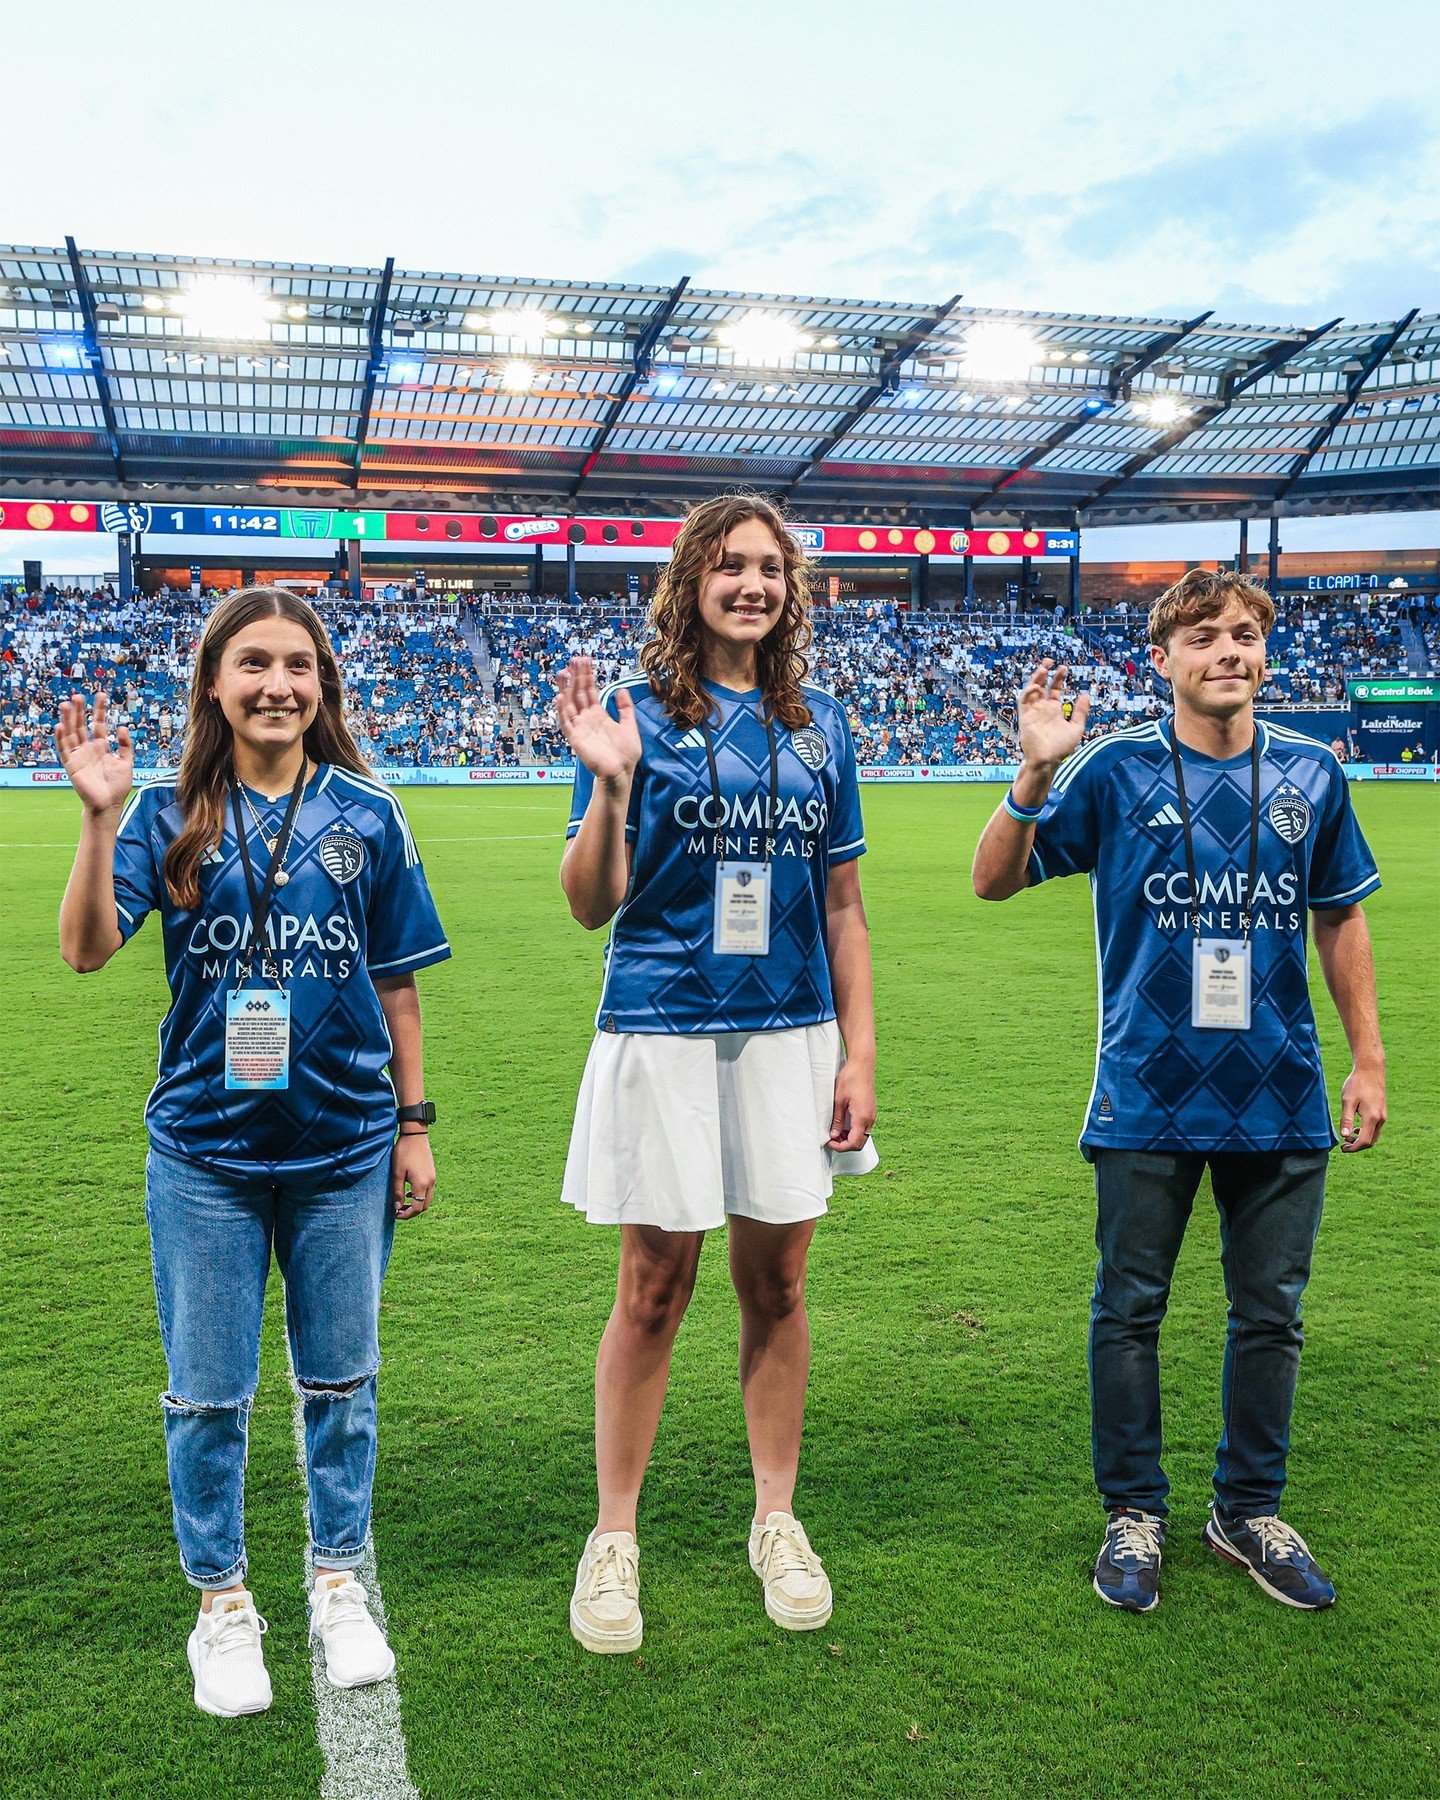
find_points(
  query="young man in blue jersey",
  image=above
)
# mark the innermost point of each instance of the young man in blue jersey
(295, 913)
(1208, 838)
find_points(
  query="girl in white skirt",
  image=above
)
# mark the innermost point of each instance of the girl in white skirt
(717, 823)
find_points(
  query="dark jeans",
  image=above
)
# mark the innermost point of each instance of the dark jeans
(1269, 1205)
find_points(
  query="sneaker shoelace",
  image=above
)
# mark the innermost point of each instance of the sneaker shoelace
(1134, 1540)
(239, 1628)
(1279, 1542)
(344, 1604)
(784, 1551)
(615, 1570)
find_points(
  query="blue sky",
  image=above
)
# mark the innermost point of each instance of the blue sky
(1277, 161)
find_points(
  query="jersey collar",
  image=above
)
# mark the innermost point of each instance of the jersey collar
(1167, 732)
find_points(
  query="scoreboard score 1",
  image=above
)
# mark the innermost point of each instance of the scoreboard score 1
(241, 521)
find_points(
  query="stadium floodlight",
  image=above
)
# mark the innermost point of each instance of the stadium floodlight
(1079, 356)
(995, 350)
(226, 306)
(403, 371)
(580, 326)
(518, 376)
(67, 355)
(153, 303)
(762, 339)
(1164, 409)
(521, 324)
(297, 310)
(1097, 403)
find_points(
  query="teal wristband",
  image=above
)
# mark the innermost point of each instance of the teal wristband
(1027, 815)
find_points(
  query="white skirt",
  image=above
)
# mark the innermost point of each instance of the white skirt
(677, 1130)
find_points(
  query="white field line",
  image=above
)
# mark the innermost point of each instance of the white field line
(361, 1735)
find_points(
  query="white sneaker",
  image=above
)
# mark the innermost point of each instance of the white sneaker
(605, 1607)
(355, 1649)
(797, 1589)
(226, 1659)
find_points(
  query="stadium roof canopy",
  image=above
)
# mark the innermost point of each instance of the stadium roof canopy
(123, 373)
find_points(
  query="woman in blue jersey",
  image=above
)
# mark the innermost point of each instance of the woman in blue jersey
(717, 823)
(295, 913)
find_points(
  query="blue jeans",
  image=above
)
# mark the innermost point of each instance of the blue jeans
(210, 1242)
(1269, 1205)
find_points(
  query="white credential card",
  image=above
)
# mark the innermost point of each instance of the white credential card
(742, 909)
(257, 1038)
(1220, 985)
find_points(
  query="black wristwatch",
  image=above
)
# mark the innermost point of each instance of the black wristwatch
(421, 1113)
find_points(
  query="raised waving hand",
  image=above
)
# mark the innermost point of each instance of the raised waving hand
(100, 775)
(1047, 737)
(608, 747)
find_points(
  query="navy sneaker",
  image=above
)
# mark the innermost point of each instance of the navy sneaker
(1274, 1554)
(1127, 1570)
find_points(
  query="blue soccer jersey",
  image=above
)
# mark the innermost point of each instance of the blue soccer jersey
(1113, 813)
(355, 909)
(661, 971)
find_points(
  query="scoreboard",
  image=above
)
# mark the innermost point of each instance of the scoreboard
(239, 521)
(258, 524)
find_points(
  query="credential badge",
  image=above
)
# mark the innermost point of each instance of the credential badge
(342, 855)
(811, 746)
(1289, 812)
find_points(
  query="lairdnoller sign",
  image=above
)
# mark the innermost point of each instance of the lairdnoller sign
(1394, 689)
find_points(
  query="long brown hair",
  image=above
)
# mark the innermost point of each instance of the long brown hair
(207, 764)
(673, 657)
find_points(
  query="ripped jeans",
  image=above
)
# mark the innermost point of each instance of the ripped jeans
(210, 1242)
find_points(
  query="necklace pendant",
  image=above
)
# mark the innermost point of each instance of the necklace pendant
(270, 844)
(281, 878)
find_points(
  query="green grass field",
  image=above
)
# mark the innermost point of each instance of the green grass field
(946, 1473)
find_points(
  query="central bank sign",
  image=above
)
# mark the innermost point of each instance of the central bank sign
(1390, 690)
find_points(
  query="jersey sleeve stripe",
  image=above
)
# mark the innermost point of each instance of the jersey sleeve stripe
(1134, 734)
(417, 959)
(132, 805)
(376, 791)
(840, 849)
(1358, 892)
(129, 918)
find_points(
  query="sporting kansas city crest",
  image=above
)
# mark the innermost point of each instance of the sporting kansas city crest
(810, 745)
(342, 855)
(1289, 812)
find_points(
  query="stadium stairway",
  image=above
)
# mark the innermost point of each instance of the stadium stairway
(479, 655)
(1417, 657)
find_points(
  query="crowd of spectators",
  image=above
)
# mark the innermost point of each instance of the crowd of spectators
(430, 682)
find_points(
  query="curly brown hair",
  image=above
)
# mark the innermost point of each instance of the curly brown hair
(673, 657)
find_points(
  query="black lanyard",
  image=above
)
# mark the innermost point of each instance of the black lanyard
(261, 899)
(1247, 909)
(773, 815)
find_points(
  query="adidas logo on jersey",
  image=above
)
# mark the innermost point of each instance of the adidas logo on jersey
(1167, 815)
(691, 740)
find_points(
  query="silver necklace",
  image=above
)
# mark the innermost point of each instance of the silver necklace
(269, 841)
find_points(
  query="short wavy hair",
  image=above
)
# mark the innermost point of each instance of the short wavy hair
(673, 657)
(1205, 594)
